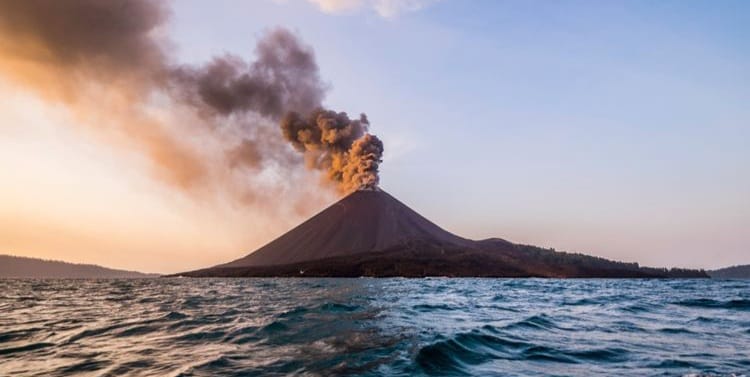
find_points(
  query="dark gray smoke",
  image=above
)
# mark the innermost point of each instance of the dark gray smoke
(81, 51)
(284, 77)
(100, 37)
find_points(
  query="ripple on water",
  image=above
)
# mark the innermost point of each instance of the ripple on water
(637, 308)
(137, 330)
(675, 330)
(174, 316)
(297, 311)
(95, 332)
(82, 367)
(428, 308)
(201, 336)
(242, 335)
(585, 301)
(128, 367)
(605, 355)
(677, 364)
(334, 307)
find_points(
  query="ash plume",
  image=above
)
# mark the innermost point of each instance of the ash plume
(84, 37)
(339, 145)
(205, 127)
(284, 77)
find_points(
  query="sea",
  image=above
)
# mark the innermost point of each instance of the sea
(374, 327)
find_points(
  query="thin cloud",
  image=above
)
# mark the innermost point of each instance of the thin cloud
(384, 8)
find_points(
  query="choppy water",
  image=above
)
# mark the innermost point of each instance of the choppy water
(248, 327)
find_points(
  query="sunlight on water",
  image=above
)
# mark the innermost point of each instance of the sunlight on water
(248, 327)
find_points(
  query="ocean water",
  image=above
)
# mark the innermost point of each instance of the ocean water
(374, 327)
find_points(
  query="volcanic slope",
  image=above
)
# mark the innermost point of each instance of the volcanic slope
(370, 233)
(364, 221)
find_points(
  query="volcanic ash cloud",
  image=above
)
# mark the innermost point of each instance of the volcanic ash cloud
(217, 124)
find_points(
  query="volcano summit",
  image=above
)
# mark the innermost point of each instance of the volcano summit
(371, 233)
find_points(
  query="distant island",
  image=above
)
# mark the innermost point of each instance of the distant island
(734, 272)
(22, 267)
(371, 233)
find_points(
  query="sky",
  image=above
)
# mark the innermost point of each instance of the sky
(616, 129)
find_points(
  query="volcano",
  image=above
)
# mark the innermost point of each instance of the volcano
(371, 233)
(363, 221)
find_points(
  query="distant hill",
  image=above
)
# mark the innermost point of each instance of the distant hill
(22, 267)
(371, 233)
(734, 272)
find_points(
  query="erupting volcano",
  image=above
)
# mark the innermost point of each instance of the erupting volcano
(371, 233)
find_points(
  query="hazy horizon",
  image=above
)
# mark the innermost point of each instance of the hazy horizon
(612, 129)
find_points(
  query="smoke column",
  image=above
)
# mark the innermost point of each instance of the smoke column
(210, 126)
(340, 146)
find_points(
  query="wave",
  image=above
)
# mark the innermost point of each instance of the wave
(25, 348)
(586, 301)
(174, 316)
(274, 327)
(426, 308)
(463, 350)
(535, 322)
(83, 367)
(334, 307)
(741, 304)
(637, 308)
(95, 332)
(242, 335)
(131, 328)
(128, 367)
(12, 335)
(202, 336)
(138, 330)
(676, 363)
(297, 311)
(675, 330)
(456, 353)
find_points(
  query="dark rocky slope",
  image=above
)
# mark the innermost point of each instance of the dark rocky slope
(734, 272)
(361, 222)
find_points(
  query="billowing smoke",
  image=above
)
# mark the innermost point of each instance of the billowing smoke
(339, 145)
(210, 126)
(284, 77)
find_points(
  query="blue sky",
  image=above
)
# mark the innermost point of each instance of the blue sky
(619, 129)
